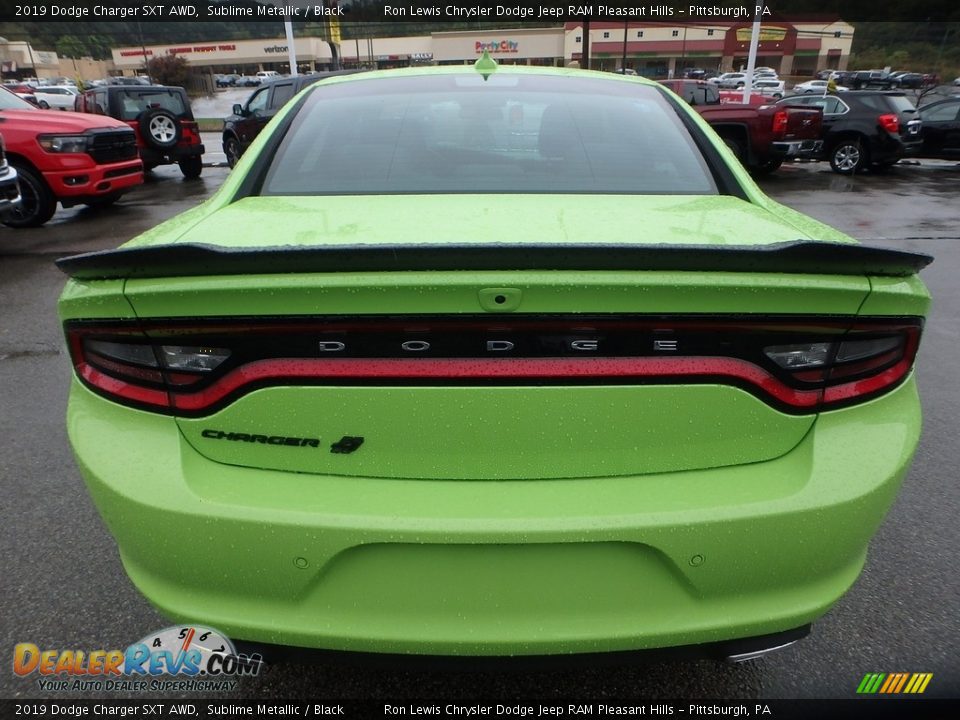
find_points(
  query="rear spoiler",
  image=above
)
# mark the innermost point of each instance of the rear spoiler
(188, 260)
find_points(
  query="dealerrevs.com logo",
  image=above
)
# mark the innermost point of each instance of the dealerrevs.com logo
(178, 658)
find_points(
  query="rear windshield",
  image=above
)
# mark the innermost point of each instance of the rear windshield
(888, 103)
(132, 102)
(508, 134)
(901, 103)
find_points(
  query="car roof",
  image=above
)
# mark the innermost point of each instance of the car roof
(306, 79)
(432, 70)
(127, 88)
(953, 99)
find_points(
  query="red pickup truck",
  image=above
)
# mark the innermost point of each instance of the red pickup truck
(66, 157)
(762, 137)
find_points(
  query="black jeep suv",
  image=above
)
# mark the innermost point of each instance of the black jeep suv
(864, 128)
(159, 115)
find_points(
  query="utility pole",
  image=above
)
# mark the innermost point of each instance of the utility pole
(585, 55)
(143, 49)
(752, 57)
(291, 50)
(623, 62)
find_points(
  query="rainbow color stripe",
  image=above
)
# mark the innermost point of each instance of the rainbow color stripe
(893, 683)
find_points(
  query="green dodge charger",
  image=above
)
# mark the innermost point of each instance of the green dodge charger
(494, 361)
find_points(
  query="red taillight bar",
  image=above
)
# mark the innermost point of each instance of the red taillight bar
(132, 378)
(274, 372)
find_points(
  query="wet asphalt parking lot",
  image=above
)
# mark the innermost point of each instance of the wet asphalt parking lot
(63, 586)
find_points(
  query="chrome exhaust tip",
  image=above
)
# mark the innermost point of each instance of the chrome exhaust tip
(743, 657)
(746, 649)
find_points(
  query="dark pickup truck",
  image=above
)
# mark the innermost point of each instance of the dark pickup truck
(761, 137)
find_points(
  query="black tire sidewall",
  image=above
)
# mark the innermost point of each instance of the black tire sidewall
(144, 122)
(45, 201)
(232, 159)
(191, 167)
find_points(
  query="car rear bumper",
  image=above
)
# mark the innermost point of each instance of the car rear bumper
(888, 146)
(797, 148)
(506, 567)
(152, 156)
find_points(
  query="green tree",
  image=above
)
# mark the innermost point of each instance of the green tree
(72, 47)
(169, 70)
(100, 47)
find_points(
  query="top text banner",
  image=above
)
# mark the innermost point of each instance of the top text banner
(485, 11)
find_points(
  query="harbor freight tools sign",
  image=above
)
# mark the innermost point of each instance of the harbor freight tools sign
(178, 658)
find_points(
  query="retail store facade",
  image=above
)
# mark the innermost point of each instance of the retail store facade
(661, 50)
(652, 49)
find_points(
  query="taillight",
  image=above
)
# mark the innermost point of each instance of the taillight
(780, 122)
(860, 363)
(190, 133)
(125, 365)
(799, 365)
(890, 122)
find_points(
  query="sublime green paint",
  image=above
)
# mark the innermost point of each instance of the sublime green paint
(495, 520)
(511, 209)
(551, 219)
(505, 567)
(542, 292)
(502, 433)
(896, 296)
(95, 299)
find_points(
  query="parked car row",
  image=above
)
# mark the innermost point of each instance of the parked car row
(854, 131)
(148, 126)
(819, 87)
(761, 136)
(67, 158)
(95, 155)
(234, 80)
(46, 97)
(882, 79)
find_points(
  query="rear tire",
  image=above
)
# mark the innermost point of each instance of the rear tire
(191, 167)
(231, 148)
(735, 147)
(44, 105)
(767, 166)
(848, 157)
(37, 202)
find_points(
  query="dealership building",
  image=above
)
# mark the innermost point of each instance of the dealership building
(652, 49)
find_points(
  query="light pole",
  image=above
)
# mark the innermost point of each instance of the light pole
(623, 62)
(143, 49)
(585, 54)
